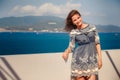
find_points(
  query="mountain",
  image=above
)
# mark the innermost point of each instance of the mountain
(108, 28)
(43, 23)
(31, 22)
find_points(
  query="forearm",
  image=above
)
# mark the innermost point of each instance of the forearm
(99, 55)
(66, 53)
(98, 47)
(68, 50)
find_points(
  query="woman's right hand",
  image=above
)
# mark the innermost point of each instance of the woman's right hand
(65, 56)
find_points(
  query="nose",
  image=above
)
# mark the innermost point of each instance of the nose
(78, 21)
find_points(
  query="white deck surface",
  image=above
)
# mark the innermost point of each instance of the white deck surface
(51, 66)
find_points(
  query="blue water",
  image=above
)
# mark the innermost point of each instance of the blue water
(46, 42)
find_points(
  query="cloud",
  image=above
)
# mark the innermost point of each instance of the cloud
(51, 9)
(44, 9)
(93, 14)
(28, 9)
(48, 8)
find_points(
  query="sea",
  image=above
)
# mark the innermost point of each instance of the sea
(13, 43)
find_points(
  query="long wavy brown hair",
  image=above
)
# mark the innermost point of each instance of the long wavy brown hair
(69, 24)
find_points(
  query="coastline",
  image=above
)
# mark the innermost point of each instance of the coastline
(47, 31)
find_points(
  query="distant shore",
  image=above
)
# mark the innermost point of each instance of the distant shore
(45, 30)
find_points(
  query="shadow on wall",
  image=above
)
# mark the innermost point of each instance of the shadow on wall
(11, 74)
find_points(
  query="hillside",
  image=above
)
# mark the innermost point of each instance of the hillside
(108, 28)
(32, 22)
(43, 23)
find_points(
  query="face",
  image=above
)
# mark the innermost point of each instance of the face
(77, 20)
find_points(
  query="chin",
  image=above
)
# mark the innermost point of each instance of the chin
(80, 24)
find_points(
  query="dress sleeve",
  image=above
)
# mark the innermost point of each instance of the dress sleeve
(72, 41)
(97, 39)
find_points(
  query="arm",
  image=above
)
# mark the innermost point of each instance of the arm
(99, 55)
(98, 48)
(70, 47)
(66, 54)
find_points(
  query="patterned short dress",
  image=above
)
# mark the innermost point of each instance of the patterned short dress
(83, 44)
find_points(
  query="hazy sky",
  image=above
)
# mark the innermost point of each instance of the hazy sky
(93, 11)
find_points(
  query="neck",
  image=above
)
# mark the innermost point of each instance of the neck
(81, 26)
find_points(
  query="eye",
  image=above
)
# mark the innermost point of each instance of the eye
(74, 20)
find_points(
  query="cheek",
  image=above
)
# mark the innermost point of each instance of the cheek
(80, 20)
(74, 22)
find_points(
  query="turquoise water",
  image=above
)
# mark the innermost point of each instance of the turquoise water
(46, 42)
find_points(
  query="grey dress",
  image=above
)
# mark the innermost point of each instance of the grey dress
(84, 57)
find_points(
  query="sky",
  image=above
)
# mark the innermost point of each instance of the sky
(102, 12)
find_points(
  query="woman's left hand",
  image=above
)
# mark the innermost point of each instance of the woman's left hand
(99, 64)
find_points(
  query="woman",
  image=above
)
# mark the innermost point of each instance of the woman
(85, 62)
